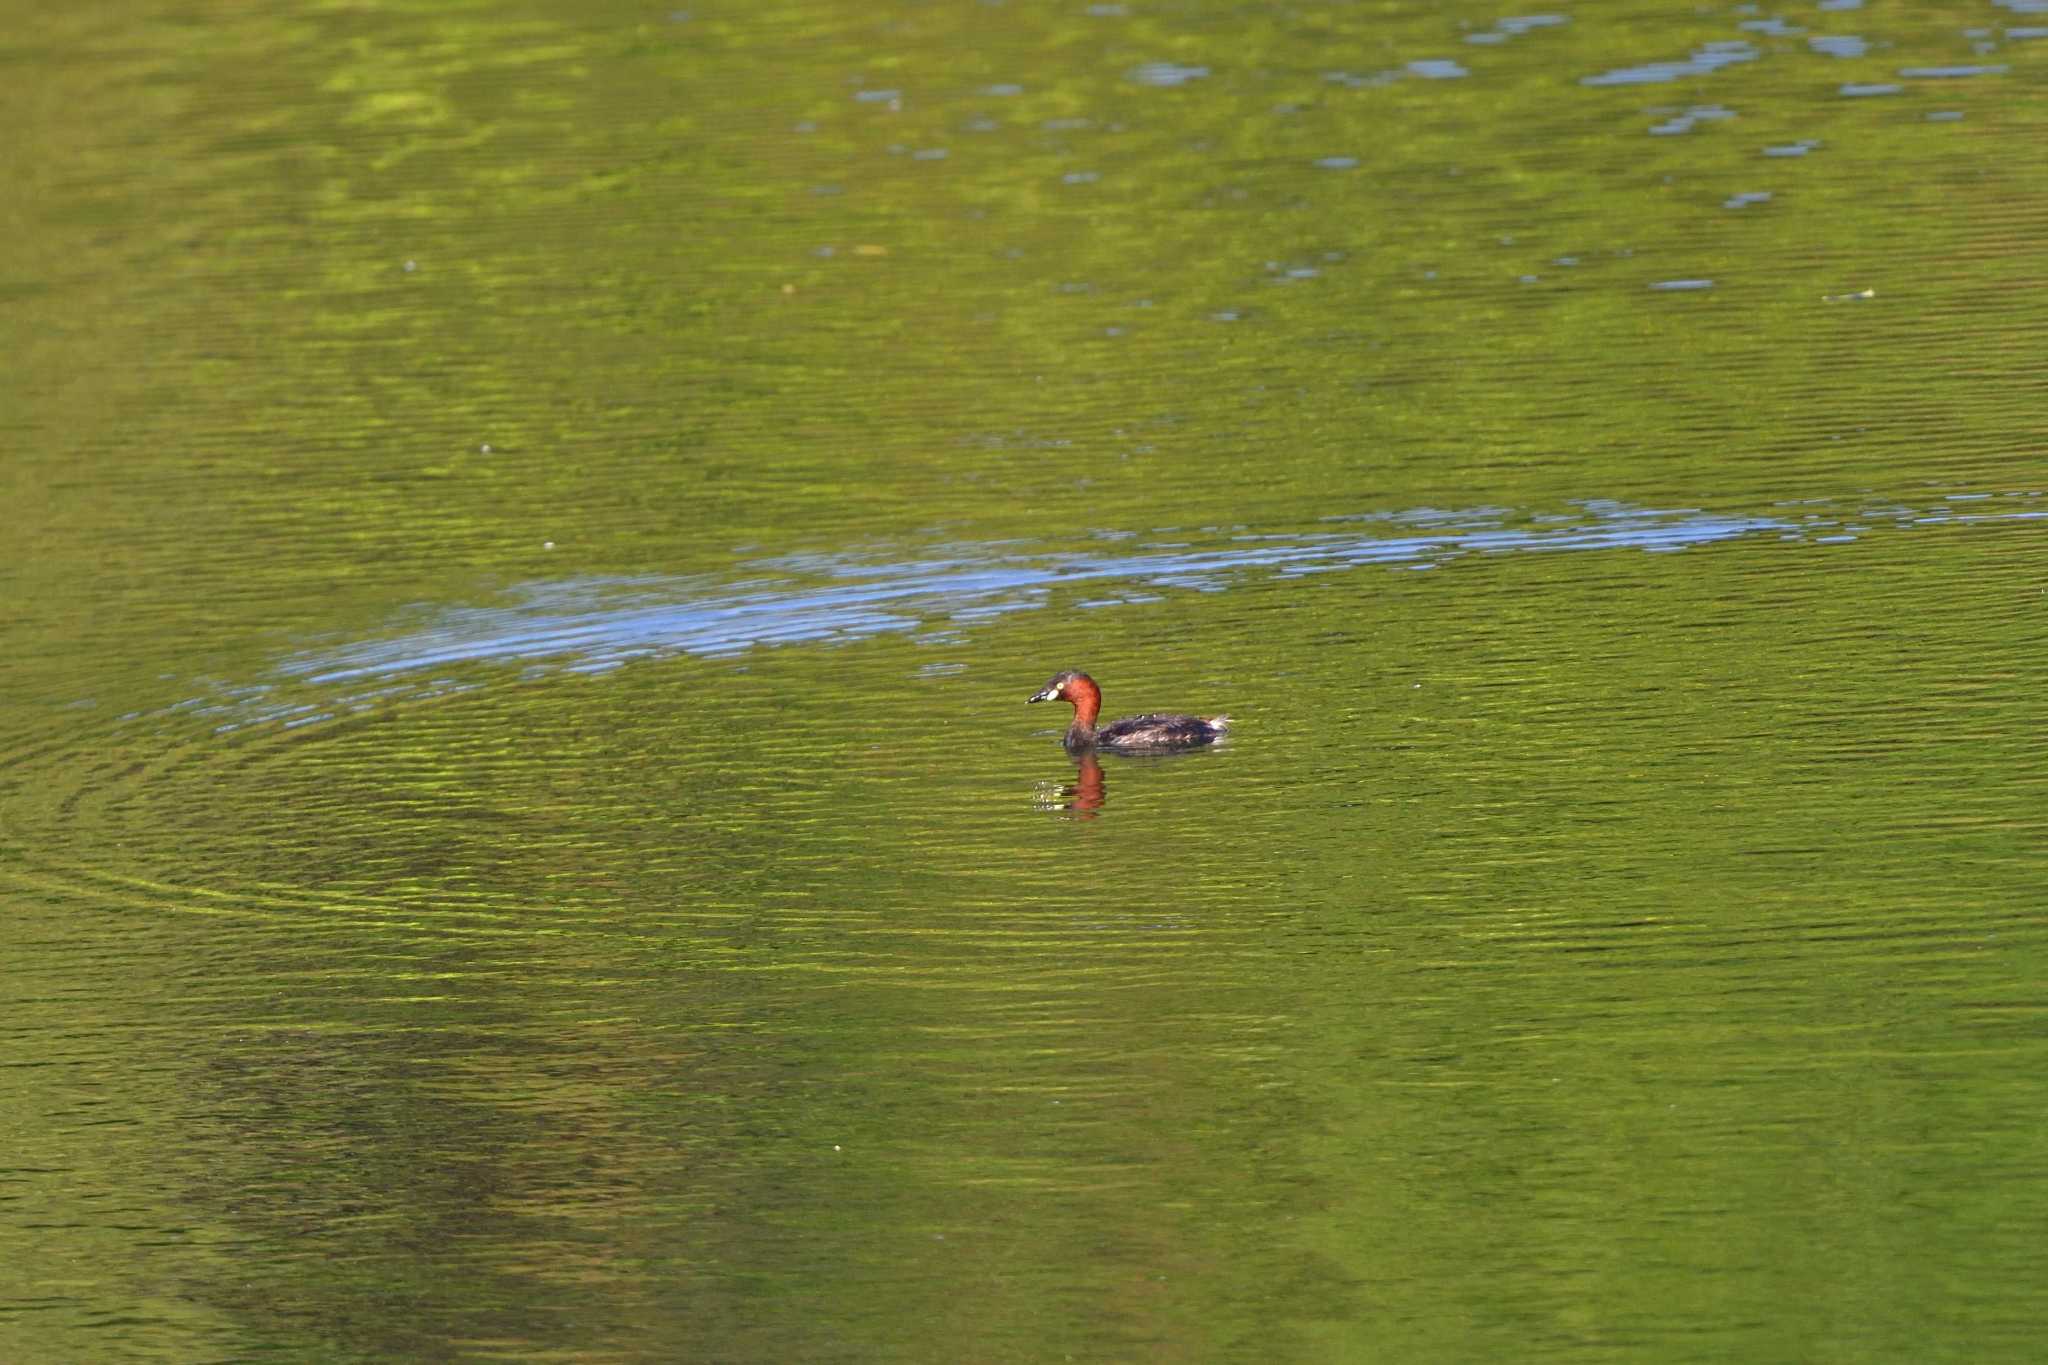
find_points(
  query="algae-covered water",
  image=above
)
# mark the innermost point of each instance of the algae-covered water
(531, 528)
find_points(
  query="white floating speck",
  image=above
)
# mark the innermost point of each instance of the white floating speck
(1165, 73)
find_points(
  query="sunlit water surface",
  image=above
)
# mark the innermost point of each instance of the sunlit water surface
(531, 533)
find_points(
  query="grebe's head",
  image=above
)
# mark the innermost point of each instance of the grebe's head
(1066, 686)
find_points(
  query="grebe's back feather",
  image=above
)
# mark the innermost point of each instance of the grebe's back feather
(1161, 732)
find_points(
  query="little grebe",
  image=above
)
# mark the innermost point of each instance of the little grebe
(1138, 734)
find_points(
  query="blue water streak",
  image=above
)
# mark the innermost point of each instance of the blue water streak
(588, 623)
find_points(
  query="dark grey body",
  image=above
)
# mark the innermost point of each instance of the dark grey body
(1139, 733)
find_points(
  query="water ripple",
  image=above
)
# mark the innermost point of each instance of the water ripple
(589, 624)
(1711, 57)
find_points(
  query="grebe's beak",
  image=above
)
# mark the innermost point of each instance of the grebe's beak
(1048, 693)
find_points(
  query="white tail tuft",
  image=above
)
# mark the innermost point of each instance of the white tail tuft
(1220, 722)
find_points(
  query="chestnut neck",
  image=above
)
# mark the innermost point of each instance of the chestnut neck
(1087, 701)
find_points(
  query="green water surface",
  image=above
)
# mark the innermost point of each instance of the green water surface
(531, 527)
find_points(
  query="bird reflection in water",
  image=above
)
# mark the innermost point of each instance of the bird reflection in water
(1084, 796)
